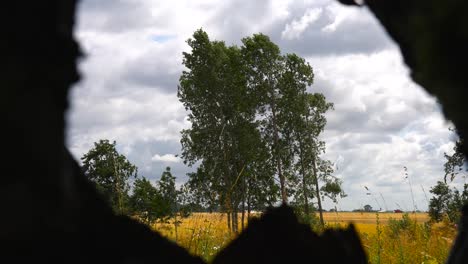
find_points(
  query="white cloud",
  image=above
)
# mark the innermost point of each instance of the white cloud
(381, 122)
(295, 29)
(340, 14)
(165, 158)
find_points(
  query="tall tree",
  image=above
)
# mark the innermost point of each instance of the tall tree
(110, 171)
(322, 170)
(199, 91)
(202, 189)
(168, 192)
(221, 111)
(253, 122)
(298, 130)
(170, 197)
(263, 62)
(447, 202)
(303, 120)
(146, 201)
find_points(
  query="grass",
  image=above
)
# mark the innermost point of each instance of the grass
(386, 237)
(202, 234)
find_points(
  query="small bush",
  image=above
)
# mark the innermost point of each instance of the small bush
(395, 226)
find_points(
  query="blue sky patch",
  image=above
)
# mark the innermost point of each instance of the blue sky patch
(162, 38)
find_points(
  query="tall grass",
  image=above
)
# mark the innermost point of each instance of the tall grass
(407, 241)
(202, 234)
(386, 237)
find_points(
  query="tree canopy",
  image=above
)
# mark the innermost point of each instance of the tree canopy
(110, 171)
(455, 164)
(254, 126)
(146, 201)
(446, 201)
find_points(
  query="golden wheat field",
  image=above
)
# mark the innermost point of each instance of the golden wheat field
(366, 222)
(370, 217)
(386, 237)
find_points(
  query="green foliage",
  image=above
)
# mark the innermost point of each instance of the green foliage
(110, 171)
(407, 241)
(224, 135)
(168, 193)
(253, 122)
(395, 226)
(447, 202)
(201, 189)
(146, 201)
(378, 245)
(456, 163)
(185, 202)
(162, 202)
(331, 187)
(309, 218)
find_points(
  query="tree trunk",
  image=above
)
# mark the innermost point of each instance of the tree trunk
(304, 186)
(248, 207)
(243, 208)
(306, 200)
(284, 196)
(317, 189)
(117, 187)
(175, 227)
(227, 204)
(235, 221)
(228, 213)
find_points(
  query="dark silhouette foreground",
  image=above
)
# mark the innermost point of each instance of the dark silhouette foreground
(51, 212)
(277, 237)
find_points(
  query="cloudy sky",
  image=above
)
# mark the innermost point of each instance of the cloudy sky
(382, 121)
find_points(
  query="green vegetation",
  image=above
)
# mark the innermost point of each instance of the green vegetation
(447, 202)
(146, 201)
(456, 163)
(110, 171)
(390, 238)
(255, 128)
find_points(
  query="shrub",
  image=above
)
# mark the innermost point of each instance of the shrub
(447, 202)
(395, 226)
